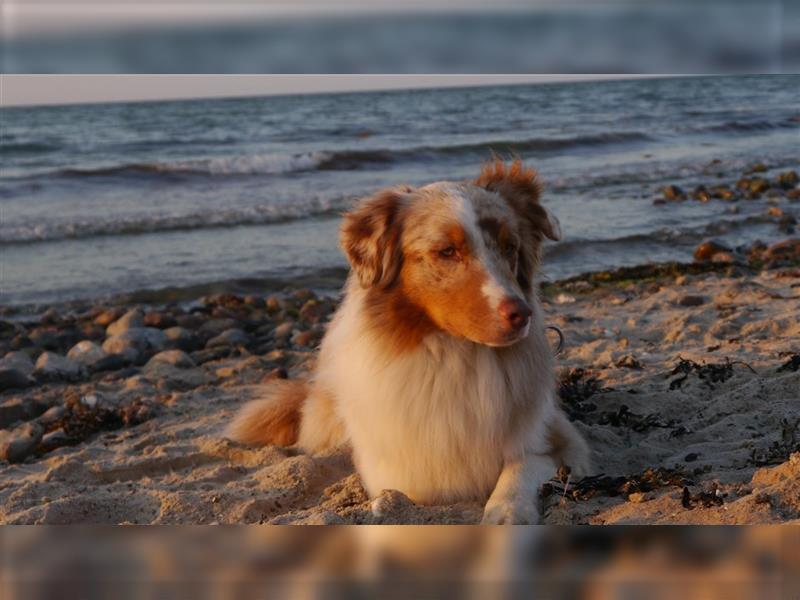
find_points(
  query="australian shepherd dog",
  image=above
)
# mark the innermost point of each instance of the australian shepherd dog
(435, 370)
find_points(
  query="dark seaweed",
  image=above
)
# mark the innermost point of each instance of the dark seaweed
(709, 373)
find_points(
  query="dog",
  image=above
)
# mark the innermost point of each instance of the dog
(435, 369)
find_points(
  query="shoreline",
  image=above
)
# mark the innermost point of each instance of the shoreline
(683, 377)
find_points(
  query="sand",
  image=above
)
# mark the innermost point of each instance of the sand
(722, 444)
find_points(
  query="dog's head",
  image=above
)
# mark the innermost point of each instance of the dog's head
(457, 257)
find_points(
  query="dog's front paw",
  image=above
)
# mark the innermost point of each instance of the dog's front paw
(517, 512)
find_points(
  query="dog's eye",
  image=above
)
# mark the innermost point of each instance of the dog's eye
(449, 252)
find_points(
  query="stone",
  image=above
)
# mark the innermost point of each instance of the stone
(707, 250)
(136, 343)
(758, 185)
(283, 331)
(690, 300)
(54, 366)
(304, 338)
(55, 439)
(673, 193)
(111, 362)
(19, 361)
(87, 353)
(639, 497)
(17, 445)
(273, 304)
(176, 358)
(788, 179)
(14, 379)
(130, 320)
(159, 320)
(52, 414)
(181, 338)
(215, 327)
(229, 337)
(106, 317)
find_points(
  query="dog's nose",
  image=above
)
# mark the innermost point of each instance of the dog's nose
(515, 311)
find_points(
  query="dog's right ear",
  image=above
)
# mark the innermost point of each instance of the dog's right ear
(370, 236)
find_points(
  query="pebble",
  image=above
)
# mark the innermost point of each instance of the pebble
(182, 339)
(111, 362)
(130, 320)
(13, 378)
(229, 337)
(19, 361)
(673, 193)
(136, 343)
(159, 320)
(639, 497)
(54, 366)
(17, 445)
(708, 249)
(52, 414)
(176, 358)
(215, 327)
(87, 353)
(564, 299)
(788, 179)
(106, 317)
(19, 409)
(55, 439)
(690, 300)
(273, 304)
(284, 330)
(304, 338)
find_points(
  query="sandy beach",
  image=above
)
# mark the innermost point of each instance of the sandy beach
(683, 378)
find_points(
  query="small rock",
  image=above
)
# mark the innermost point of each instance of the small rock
(215, 327)
(283, 331)
(107, 317)
(690, 300)
(304, 338)
(159, 320)
(87, 353)
(229, 337)
(136, 343)
(673, 193)
(52, 414)
(564, 299)
(51, 316)
(11, 378)
(130, 320)
(639, 497)
(273, 304)
(19, 361)
(17, 445)
(758, 185)
(691, 457)
(55, 439)
(181, 338)
(788, 179)
(176, 358)
(629, 362)
(111, 362)
(54, 366)
(708, 249)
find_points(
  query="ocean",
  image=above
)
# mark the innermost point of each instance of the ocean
(168, 200)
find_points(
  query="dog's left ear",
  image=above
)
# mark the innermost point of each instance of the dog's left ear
(521, 188)
(370, 236)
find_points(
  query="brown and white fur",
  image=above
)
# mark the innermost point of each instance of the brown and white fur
(435, 369)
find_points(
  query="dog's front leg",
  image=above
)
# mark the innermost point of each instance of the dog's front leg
(515, 499)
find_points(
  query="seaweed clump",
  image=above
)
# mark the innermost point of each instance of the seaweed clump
(606, 485)
(575, 388)
(709, 373)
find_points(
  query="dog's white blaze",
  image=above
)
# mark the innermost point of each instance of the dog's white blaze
(493, 289)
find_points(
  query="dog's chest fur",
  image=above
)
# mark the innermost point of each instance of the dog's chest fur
(432, 423)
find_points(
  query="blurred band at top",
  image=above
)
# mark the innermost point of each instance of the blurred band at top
(386, 36)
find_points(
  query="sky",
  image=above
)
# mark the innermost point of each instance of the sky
(26, 90)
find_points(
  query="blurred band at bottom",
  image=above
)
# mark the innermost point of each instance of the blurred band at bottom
(400, 562)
